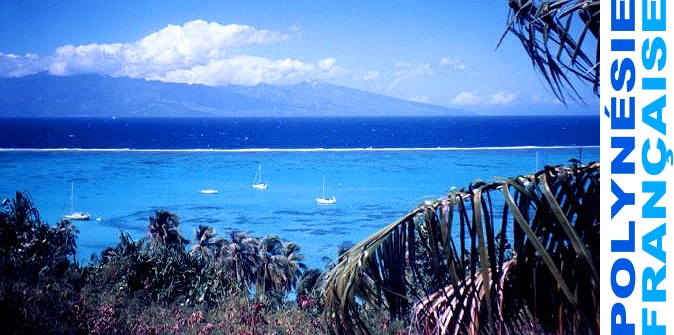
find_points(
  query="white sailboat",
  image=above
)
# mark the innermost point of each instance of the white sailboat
(75, 216)
(257, 180)
(323, 200)
(209, 190)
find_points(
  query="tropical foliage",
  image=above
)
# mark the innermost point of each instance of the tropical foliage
(502, 257)
(34, 260)
(133, 287)
(561, 37)
(29, 248)
(279, 269)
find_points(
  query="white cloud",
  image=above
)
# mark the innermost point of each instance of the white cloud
(96, 58)
(466, 98)
(195, 43)
(370, 75)
(454, 62)
(502, 98)
(252, 70)
(199, 41)
(539, 99)
(326, 63)
(473, 98)
(408, 70)
(423, 98)
(12, 65)
(412, 69)
(196, 52)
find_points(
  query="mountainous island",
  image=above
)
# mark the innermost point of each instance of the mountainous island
(45, 95)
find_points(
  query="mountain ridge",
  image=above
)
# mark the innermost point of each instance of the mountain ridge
(91, 95)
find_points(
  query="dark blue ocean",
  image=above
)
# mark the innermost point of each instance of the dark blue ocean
(299, 133)
(378, 169)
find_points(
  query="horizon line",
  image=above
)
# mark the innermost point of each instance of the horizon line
(253, 150)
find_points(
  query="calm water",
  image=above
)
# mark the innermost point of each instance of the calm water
(372, 187)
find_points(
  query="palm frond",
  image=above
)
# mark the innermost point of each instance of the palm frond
(455, 309)
(554, 33)
(459, 280)
(163, 227)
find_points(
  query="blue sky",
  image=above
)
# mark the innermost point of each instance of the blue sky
(441, 52)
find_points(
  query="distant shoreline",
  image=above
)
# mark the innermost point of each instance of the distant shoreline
(295, 149)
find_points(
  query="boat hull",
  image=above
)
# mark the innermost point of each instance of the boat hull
(77, 217)
(326, 201)
(260, 186)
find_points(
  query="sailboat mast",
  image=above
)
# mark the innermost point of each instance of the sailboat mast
(536, 161)
(72, 200)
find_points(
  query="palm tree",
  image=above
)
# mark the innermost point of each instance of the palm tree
(241, 256)
(66, 239)
(561, 37)
(495, 257)
(280, 268)
(163, 227)
(294, 264)
(28, 246)
(205, 239)
(126, 247)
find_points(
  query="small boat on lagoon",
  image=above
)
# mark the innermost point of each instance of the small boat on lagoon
(323, 200)
(257, 180)
(75, 216)
(208, 190)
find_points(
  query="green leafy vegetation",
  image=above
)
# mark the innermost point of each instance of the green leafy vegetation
(156, 285)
